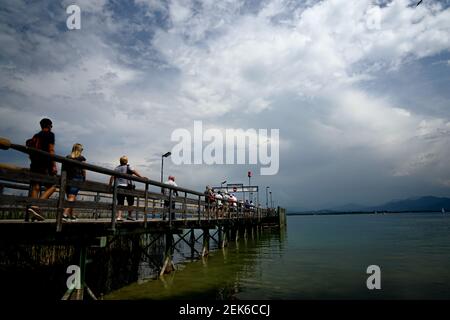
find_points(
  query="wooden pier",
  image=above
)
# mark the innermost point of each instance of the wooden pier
(188, 218)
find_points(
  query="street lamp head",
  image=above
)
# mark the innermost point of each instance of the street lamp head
(224, 182)
(165, 155)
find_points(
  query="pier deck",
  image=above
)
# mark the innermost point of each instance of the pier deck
(162, 219)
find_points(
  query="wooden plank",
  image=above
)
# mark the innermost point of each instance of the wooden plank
(94, 168)
(27, 176)
(60, 206)
(11, 199)
(92, 186)
(20, 201)
(14, 186)
(114, 206)
(145, 204)
(87, 205)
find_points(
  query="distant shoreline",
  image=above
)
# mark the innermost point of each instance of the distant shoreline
(357, 212)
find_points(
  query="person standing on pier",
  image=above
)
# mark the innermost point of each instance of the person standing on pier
(74, 173)
(210, 199)
(166, 192)
(126, 184)
(45, 141)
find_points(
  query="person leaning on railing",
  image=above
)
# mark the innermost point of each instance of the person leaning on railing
(126, 184)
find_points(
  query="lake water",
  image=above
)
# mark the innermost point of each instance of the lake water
(319, 257)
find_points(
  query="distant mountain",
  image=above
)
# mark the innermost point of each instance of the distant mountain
(424, 203)
(427, 203)
(350, 207)
(297, 209)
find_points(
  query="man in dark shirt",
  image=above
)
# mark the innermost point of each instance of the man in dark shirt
(43, 165)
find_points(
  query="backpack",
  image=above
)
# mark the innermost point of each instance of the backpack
(34, 143)
(131, 184)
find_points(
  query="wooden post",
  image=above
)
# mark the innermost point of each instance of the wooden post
(170, 207)
(168, 264)
(185, 205)
(96, 200)
(219, 236)
(145, 205)
(153, 208)
(192, 243)
(207, 208)
(137, 210)
(199, 209)
(205, 250)
(26, 215)
(241, 214)
(62, 194)
(225, 238)
(114, 206)
(83, 253)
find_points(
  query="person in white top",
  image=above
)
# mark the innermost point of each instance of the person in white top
(219, 199)
(123, 183)
(166, 192)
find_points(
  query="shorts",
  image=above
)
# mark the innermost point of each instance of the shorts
(70, 190)
(167, 203)
(121, 197)
(42, 168)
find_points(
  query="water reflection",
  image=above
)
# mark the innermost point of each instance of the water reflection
(219, 276)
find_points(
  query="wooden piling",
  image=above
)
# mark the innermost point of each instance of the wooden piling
(205, 250)
(168, 265)
(60, 207)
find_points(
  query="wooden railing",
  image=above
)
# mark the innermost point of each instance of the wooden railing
(188, 201)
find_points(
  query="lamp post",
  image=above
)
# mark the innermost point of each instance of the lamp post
(165, 155)
(249, 175)
(271, 201)
(267, 197)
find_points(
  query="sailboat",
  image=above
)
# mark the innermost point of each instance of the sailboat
(443, 211)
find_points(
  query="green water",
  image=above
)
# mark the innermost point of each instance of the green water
(319, 257)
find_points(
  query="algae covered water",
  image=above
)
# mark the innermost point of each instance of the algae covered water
(319, 257)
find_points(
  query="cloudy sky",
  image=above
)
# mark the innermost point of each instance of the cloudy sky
(359, 89)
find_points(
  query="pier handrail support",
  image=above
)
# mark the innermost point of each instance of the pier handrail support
(5, 144)
(91, 167)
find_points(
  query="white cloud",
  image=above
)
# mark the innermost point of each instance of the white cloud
(180, 11)
(96, 75)
(330, 44)
(225, 63)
